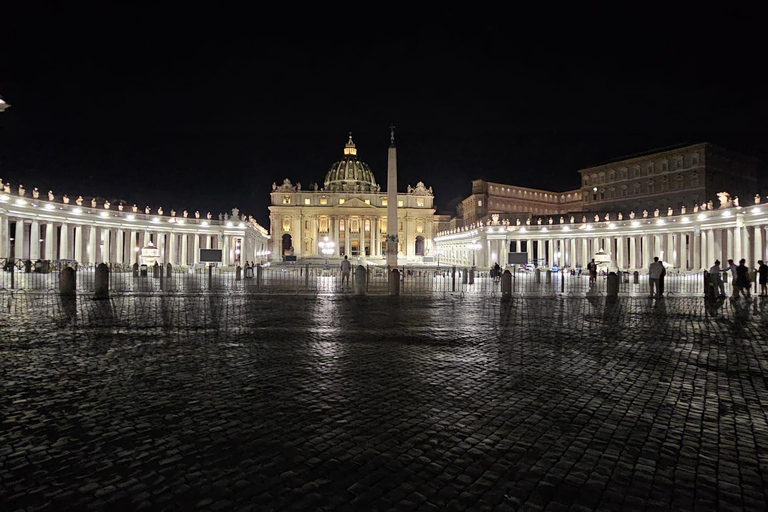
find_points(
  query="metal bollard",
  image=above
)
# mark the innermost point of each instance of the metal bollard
(549, 277)
(360, 280)
(168, 270)
(13, 273)
(453, 279)
(101, 282)
(210, 276)
(67, 281)
(471, 276)
(537, 276)
(506, 284)
(394, 282)
(464, 276)
(635, 277)
(135, 270)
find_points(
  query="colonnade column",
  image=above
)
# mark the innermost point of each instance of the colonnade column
(34, 241)
(5, 236)
(529, 248)
(19, 240)
(105, 244)
(50, 244)
(633, 252)
(682, 253)
(172, 244)
(758, 251)
(184, 249)
(119, 247)
(711, 249)
(225, 251)
(64, 242)
(79, 244)
(584, 252)
(196, 248)
(646, 240)
(347, 232)
(698, 249)
(92, 253)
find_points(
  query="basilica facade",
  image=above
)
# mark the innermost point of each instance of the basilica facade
(348, 215)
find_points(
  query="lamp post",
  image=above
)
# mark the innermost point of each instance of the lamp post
(474, 247)
(326, 247)
(437, 253)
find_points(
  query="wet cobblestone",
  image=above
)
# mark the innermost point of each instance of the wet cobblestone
(372, 403)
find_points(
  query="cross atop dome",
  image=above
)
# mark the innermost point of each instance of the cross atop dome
(350, 148)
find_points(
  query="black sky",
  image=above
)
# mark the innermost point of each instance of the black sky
(204, 110)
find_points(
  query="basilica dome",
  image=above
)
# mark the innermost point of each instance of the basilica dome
(349, 173)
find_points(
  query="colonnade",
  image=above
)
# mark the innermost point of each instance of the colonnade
(686, 242)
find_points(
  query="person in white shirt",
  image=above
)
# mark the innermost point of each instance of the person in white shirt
(654, 274)
(732, 267)
(715, 275)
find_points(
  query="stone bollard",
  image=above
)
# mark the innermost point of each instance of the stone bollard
(27, 266)
(156, 270)
(394, 282)
(101, 280)
(549, 277)
(471, 276)
(306, 276)
(135, 267)
(67, 281)
(259, 272)
(537, 276)
(506, 284)
(361, 275)
(635, 277)
(238, 273)
(168, 270)
(453, 279)
(612, 286)
(464, 276)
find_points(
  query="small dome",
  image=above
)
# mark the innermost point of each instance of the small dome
(349, 173)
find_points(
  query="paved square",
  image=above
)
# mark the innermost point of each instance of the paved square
(352, 403)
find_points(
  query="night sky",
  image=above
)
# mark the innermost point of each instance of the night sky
(206, 110)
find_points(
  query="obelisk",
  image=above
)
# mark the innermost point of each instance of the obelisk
(392, 201)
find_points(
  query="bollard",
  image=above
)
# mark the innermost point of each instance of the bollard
(537, 276)
(168, 270)
(471, 276)
(135, 268)
(635, 277)
(506, 284)
(210, 276)
(101, 280)
(453, 279)
(360, 280)
(306, 276)
(549, 277)
(155, 270)
(27, 266)
(562, 281)
(394, 282)
(12, 268)
(464, 276)
(67, 281)
(259, 272)
(238, 273)
(612, 286)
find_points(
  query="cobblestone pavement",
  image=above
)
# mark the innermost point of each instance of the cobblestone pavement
(355, 403)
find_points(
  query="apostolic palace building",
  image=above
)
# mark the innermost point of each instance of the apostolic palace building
(689, 205)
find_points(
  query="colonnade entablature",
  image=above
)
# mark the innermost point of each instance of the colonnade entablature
(686, 241)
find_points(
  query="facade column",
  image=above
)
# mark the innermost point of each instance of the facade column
(119, 247)
(712, 249)
(225, 251)
(50, 243)
(79, 244)
(621, 242)
(147, 239)
(583, 242)
(698, 247)
(646, 251)
(682, 253)
(134, 254)
(758, 246)
(5, 242)
(34, 241)
(196, 248)
(171, 248)
(64, 242)
(736, 253)
(184, 249)
(669, 251)
(92, 253)
(19, 240)
(633, 259)
(105, 245)
(529, 248)
(572, 253)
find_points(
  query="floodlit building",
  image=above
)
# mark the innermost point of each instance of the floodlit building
(350, 211)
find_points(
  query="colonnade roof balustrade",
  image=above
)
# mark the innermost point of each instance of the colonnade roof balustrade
(729, 216)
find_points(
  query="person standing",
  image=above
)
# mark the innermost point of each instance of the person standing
(661, 278)
(496, 273)
(346, 268)
(732, 268)
(742, 279)
(592, 269)
(716, 277)
(762, 273)
(654, 274)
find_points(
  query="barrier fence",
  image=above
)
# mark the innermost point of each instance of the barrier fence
(315, 278)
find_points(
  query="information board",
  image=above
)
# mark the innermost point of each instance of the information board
(210, 255)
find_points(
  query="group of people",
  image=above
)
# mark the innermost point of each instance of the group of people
(740, 280)
(249, 266)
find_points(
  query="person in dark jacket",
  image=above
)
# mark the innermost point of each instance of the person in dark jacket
(742, 279)
(762, 272)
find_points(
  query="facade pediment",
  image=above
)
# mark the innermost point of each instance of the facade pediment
(355, 203)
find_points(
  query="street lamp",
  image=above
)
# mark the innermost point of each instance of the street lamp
(474, 247)
(326, 247)
(437, 253)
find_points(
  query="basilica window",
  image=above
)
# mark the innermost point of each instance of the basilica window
(400, 203)
(420, 225)
(611, 175)
(636, 189)
(664, 166)
(383, 225)
(479, 202)
(286, 199)
(586, 181)
(695, 159)
(306, 200)
(341, 200)
(649, 168)
(664, 184)
(342, 225)
(651, 187)
(367, 201)
(323, 224)
(679, 162)
(354, 225)
(419, 201)
(367, 225)
(384, 202)
(624, 191)
(306, 225)
(323, 200)
(286, 223)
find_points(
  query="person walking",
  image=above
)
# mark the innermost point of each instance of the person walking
(762, 273)
(742, 280)
(346, 268)
(732, 268)
(496, 273)
(654, 274)
(716, 277)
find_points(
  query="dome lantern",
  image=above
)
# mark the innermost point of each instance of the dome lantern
(349, 173)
